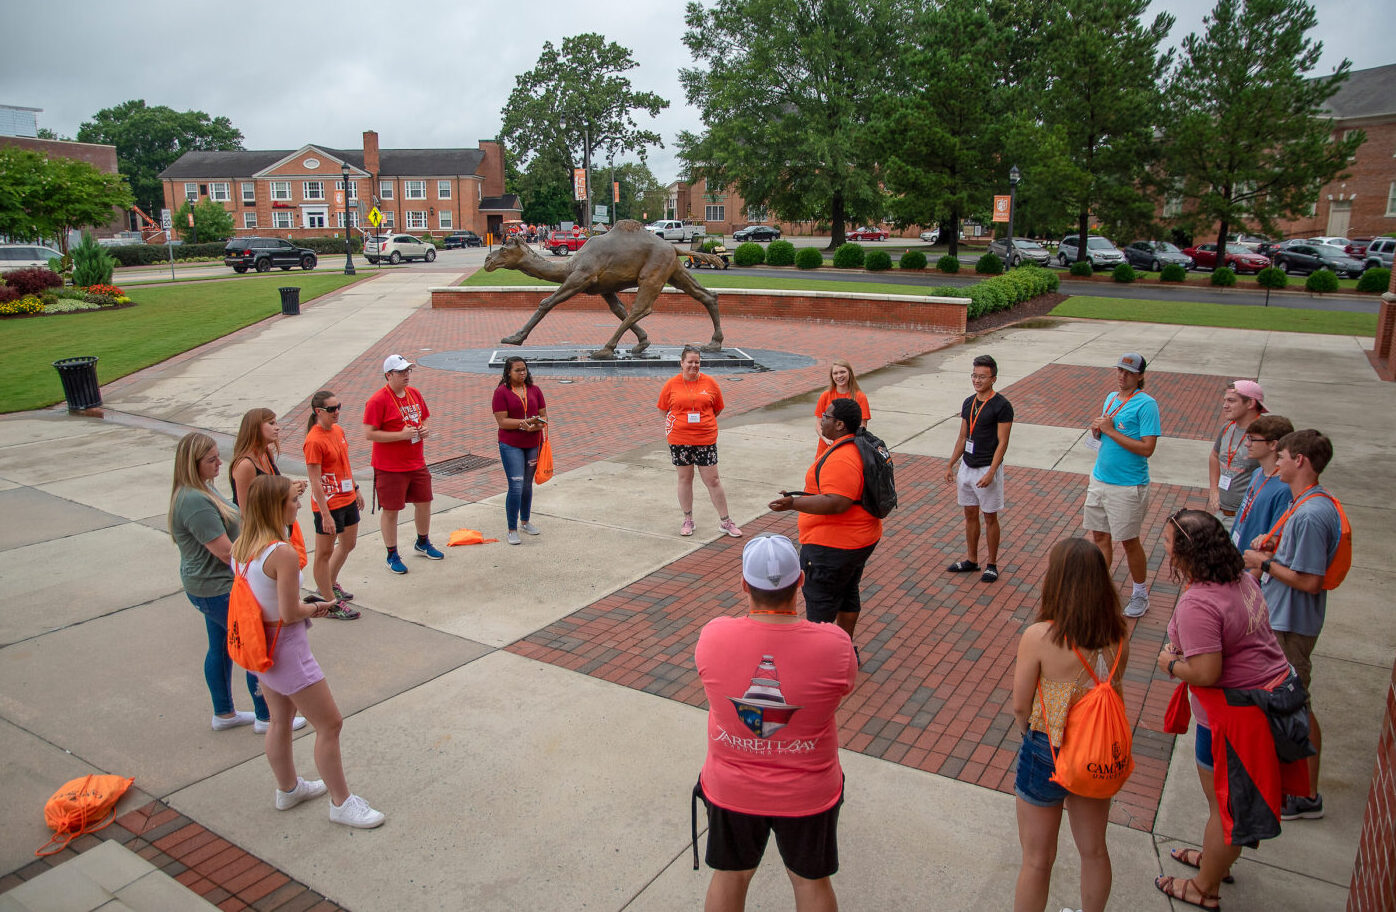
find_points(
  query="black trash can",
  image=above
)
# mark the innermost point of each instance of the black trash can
(79, 376)
(290, 301)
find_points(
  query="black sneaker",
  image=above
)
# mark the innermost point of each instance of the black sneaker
(1298, 807)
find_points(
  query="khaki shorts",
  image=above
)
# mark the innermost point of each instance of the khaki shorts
(1298, 649)
(988, 499)
(1115, 509)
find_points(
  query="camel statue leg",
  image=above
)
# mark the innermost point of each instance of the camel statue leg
(642, 341)
(689, 286)
(643, 307)
(564, 291)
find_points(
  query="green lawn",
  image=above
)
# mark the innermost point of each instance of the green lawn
(166, 321)
(1193, 313)
(709, 278)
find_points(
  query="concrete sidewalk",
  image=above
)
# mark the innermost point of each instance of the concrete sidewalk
(513, 783)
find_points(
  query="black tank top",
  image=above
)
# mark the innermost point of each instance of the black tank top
(256, 468)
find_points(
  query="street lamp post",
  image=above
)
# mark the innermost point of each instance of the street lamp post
(1014, 175)
(348, 250)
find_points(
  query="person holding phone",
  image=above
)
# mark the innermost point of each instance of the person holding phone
(521, 413)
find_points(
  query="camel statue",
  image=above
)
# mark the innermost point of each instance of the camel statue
(625, 257)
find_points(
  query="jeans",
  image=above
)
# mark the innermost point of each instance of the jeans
(519, 465)
(218, 668)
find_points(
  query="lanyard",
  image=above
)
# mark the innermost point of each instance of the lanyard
(1252, 498)
(1231, 450)
(974, 412)
(406, 394)
(523, 399)
(1272, 538)
(1120, 403)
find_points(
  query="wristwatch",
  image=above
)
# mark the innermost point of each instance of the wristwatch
(1265, 564)
(1170, 667)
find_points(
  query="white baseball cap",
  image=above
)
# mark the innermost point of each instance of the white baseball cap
(395, 363)
(770, 562)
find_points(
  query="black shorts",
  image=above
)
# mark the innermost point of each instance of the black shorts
(681, 454)
(809, 846)
(832, 577)
(344, 517)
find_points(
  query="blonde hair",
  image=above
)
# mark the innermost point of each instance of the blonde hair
(249, 440)
(263, 516)
(189, 452)
(852, 377)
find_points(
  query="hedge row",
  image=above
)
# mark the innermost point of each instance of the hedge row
(155, 254)
(1002, 292)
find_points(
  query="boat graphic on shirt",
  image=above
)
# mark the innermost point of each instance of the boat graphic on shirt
(762, 708)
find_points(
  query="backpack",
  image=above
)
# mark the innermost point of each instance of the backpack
(879, 485)
(1097, 754)
(83, 805)
(1341, 563)
(247, 634)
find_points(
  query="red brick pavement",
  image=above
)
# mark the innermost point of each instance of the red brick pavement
(937, 649)
(1068, 395)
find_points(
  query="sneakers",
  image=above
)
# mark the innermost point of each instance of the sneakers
(428, 550)
(303, 791)
(530, 528)
(236, 720)
(1138, 604)
(340, 594)
(395, 563)
(342, 611)
(687, 528)
(513, 537)
(261, 726)
(1298, 807)
(355, 812)
(730, 528)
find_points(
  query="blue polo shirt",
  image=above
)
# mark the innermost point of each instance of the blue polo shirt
(1137, 418)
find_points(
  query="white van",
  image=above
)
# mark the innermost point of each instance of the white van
(24, 256)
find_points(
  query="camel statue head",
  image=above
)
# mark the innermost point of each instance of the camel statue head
(507, 255)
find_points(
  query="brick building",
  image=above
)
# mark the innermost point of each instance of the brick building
(300, 193)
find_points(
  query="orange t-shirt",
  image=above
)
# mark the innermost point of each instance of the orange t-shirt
(330, 451)
(830, 396)
(691, 410)
(842, 473)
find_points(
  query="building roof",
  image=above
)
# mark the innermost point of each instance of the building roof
(391, 162)
(509, 202)
(1366, 93)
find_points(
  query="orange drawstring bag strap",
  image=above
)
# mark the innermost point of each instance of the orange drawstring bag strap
(83, 805)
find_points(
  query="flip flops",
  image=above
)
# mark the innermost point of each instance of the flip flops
(963, 566)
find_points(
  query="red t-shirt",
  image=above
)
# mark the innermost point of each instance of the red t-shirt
(507, 401)
(855, 527)
(830, 396)
(330, 451)
(773, 689)
(691, 410)
(386, 412)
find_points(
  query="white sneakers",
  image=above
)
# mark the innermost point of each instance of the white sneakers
(355, 812)
(530, 528)
(236, 720)
(302, 792)
(261, 727)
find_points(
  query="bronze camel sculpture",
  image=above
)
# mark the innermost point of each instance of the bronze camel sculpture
(623, 258)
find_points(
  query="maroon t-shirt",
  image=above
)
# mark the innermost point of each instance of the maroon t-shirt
(506, 400)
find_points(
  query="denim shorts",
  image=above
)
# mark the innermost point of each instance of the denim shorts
(1202, 746)
(1035, 768)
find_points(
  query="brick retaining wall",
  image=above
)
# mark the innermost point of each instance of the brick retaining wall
(1373, 887)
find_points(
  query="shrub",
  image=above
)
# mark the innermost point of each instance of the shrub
(848, 256)
(1271, 277)
(99, 299)
(91, 265)
(1174, 272)
(332, 244)
(948, 263)
(780, 253)
(1003, 291)
(154, 254)
(8, 294)
(1223, 277)
(749, 254)
(710, 246)
(809, 258)
(29, 304)
(912, 259)
(1322, 282)
(1378, 279)
(71, 292)
(989, 264)
(1124, 274)
(877, 261)
(1082, 268)
(104, 289)
(33, 280)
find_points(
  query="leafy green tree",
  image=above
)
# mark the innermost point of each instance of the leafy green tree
(545, 189)
(91, 264)
(46, 133)
(211, 222)
(785, 91)
(149, 139)
(640, 191)
(43, 197)
(1246, 140)
(576, 101)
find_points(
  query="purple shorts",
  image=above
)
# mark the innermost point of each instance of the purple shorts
(293, 667)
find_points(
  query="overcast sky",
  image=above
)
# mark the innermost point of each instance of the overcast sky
(424, 74)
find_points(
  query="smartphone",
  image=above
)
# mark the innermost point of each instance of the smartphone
(795, 494)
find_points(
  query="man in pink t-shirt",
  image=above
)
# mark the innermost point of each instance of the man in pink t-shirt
(774, 682)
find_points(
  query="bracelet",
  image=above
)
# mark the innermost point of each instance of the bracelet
(1170, 668)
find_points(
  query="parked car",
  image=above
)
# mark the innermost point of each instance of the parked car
(1154, 255)
(262, 253)
(1242, 260)
(1358, 248)
(398, 247)
(1025, 250)
(1269, 249)
(561, 243)
(1379, 253)
(757, 233)
(1307, 258)
(458, 239)
(932, 236)
(870, 233)
(25, 256)
(1251, 242)
(1099, 251)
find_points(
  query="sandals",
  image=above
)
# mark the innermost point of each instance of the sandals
(1169, 886)
(963, 566)
(1193, 859)
(991, 574)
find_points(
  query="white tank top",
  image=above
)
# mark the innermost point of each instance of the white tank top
(263, 586)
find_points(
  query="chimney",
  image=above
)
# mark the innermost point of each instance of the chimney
(491, 168)
(371, 156)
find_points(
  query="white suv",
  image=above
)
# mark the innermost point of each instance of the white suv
(1379, 253)
(398, 247)
(1100, 253)
(26, 256)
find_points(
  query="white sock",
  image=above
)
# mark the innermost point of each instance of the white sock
(1141, 589)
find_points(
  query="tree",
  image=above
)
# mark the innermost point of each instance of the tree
(150, 139)
(211, 222)
(545, 188)
(786, 98)
(574, 101)
(641, 192)
(46, 133)
(1246, 139)
(43, 197)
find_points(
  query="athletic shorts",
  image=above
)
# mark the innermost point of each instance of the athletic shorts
(1115, 509)
(687, 455)
(398, 489)
(988, 499)
(1299, 649)
(1033, 781)
(344, 517)
(809, 846)
(832, 578)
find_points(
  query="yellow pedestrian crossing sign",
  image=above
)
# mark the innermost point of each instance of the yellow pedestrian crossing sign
(374, 216)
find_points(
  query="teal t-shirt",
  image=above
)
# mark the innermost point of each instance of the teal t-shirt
(196, 520)
(1137, 418)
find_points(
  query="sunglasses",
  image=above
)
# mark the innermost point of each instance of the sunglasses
(329, 408)
(1251, 439)
(1174, 520)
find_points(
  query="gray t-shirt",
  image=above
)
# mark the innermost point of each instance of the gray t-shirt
(196, 520)
(1308, 542)
(1236, 467)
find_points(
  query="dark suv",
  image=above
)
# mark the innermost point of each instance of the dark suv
(463, 239)
(262, 254)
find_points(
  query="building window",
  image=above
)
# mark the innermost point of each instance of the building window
(191, 191)
(1172, 206)
(281, 190)
(353, 218)
(385, 190)
(249, 220)
(756, 214)
(416, 190)
(443, 219)
(221, 193)
(416, 220)
(714, 213)
(353, 189)
(1391, 199)
(281, 219)
(389, 219)
(443, 190)
(249, 192)
(313, 190)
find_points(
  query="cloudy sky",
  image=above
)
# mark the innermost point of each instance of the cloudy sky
(423, 74)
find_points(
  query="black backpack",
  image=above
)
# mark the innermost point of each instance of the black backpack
(879, 485)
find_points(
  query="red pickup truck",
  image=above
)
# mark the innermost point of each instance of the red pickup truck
(561, 243)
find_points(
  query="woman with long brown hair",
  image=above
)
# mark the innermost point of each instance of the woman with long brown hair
(1080, 610)
(255, 451)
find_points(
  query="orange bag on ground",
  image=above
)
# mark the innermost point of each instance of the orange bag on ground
(298, 542)
(247, 634)
(544, 472)
(1097, 753)
(468, 537)
(83, 805)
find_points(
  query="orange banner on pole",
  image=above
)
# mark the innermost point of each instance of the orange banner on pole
(615, 191)
(1000, 209)
(579, 183)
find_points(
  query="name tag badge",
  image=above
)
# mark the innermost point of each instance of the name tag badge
(969, 447)
(1092, 442)
(695, 417)
(1236, 538)
(1224, 482)
(1264, 578)
(347, 485)
(415, 439)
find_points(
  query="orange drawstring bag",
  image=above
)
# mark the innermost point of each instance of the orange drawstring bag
(83, 805)
(468, 537)
(247, 632)
(298, 542)
(544, 471)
